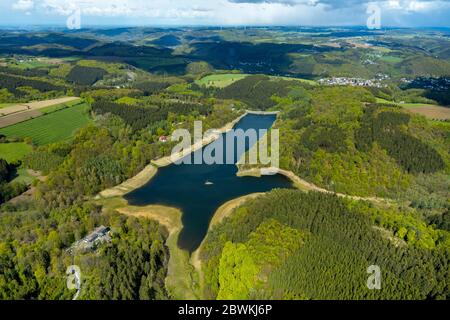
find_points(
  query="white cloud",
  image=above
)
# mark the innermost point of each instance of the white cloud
(130, 8)
(415, 5)
(23, 5)
(232, 12)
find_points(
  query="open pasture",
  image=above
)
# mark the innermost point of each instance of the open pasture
(220, 80)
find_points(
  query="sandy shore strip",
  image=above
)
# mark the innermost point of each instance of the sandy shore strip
(150, 171)
(227, 208)
(263, 113)
(166, 216)
(131, 184)
(304, 185)
(166, 161)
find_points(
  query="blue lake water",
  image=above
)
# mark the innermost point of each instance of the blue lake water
(185, 187)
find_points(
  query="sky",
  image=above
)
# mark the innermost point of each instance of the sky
(400, 13)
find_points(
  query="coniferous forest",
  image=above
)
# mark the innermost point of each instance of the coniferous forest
(336, 243)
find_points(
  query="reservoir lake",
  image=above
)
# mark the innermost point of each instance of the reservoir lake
(198, 190)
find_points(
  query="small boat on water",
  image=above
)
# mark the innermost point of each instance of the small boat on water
(208, 183)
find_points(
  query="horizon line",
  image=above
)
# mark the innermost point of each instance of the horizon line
(87, 26)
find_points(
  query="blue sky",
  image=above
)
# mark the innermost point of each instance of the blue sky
(404, 13)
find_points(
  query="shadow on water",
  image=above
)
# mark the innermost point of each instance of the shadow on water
(198, 190)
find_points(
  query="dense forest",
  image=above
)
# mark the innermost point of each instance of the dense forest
(25, 72)
(256, 91)
(8, 189)
(17, 85)
(295, 245)
(384, 127)
(150, 87)
(141, 117)
(38, 232)
(85, 75)
(124, 139)
(34, 256)
(338, 138)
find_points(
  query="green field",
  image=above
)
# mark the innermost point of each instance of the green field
(29, 64)
(224, 80)
(12, 152)
(220, 80)
(52, 127)
(129, 101)
(4, 105)
(381, 100)
(416, 105)
(311, 82)
(32, 63)
(406, 105)
(391, 59)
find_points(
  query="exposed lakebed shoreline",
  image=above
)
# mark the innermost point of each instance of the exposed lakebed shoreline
(158, 194)
(181, 273)
(198, 190)
(144, 176)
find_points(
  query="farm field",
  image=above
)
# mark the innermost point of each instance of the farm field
(380, 100)
(50, 128)
(311, 82)
(431, 112)
(224, 80)
(405, 105)
(18, 117)
(220, 80)
(22, 112)
(33, 63)
(36, 105)
(13, 152)
(391, 59)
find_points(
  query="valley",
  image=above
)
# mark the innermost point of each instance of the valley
(86, 121)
